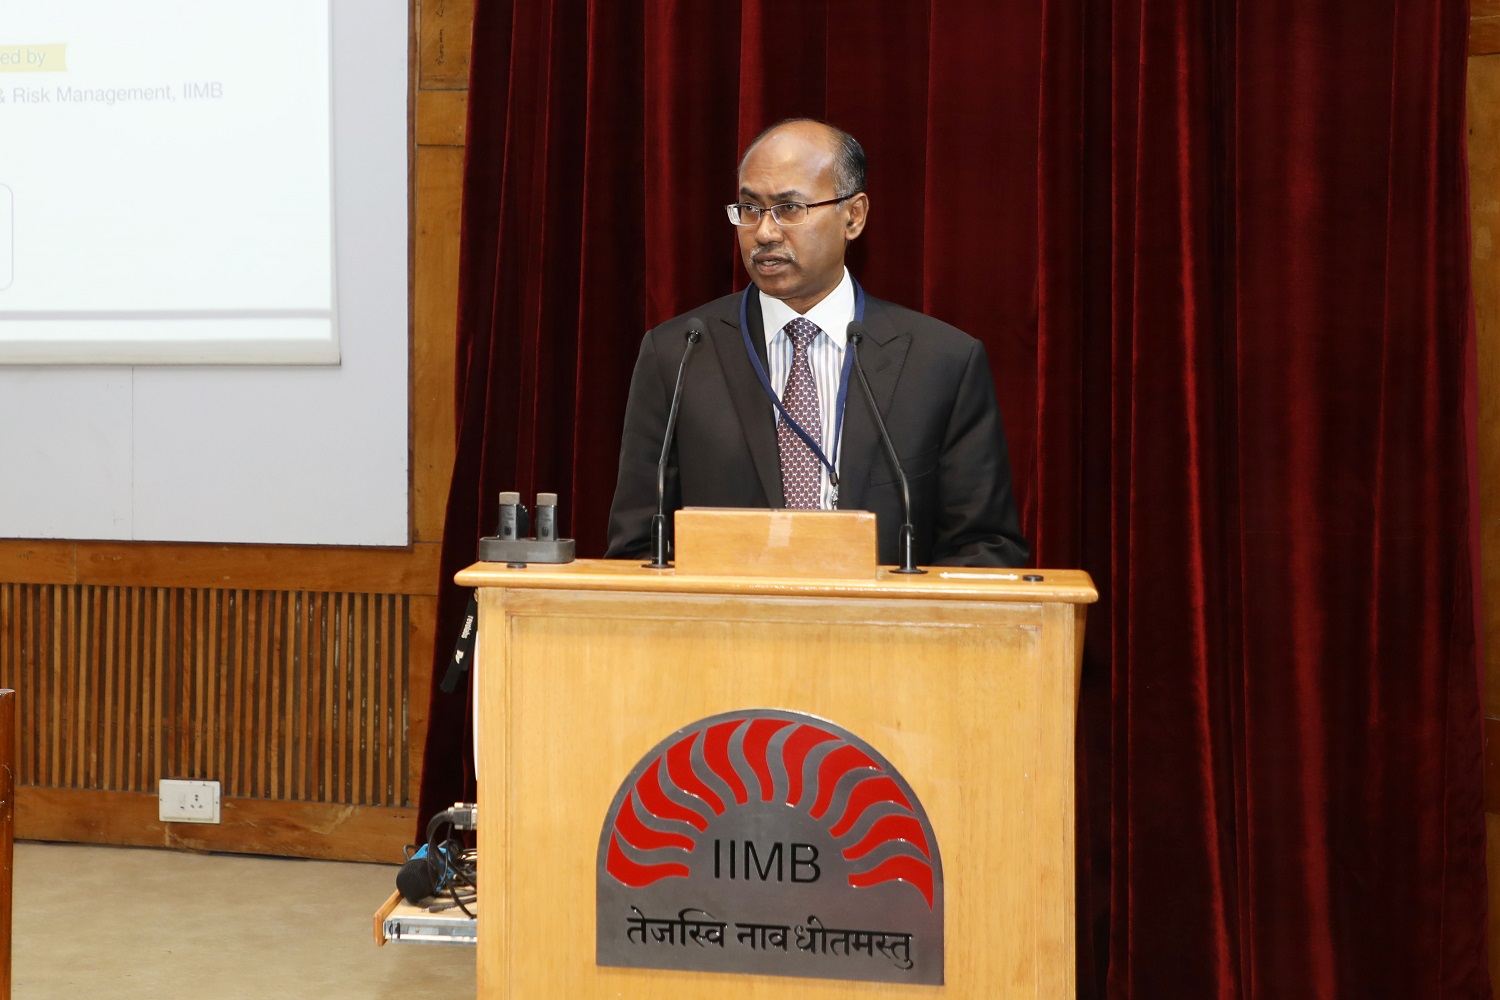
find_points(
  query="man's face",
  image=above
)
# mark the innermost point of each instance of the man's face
(798, 264)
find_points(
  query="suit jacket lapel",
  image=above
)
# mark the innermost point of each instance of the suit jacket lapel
(748, 397)
(883, 355)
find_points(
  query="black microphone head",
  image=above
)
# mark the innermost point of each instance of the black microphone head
(856, 332)
(695, 330)
(420, 878)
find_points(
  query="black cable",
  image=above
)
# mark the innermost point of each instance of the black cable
(457, 901)
(448, 862)
(462, 871)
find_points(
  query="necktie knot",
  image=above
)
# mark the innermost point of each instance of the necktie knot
(802, 331)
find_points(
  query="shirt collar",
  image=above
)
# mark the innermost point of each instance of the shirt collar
(832, 315)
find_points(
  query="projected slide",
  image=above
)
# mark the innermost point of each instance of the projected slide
(165, 182)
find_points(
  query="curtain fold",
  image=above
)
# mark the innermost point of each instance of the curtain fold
(1218, 255)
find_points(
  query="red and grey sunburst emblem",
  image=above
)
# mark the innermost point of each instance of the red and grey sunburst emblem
(679, 806)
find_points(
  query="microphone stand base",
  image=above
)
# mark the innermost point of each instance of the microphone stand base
(905, 549)
(659, 546)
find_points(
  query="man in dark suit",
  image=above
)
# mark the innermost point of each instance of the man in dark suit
(770, 413)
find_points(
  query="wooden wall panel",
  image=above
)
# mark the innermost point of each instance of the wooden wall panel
(421, 641)
(1484, 27)
(1484, 199)
(444, 35)
(442, 119)
(439, 186)
(411, 570)
(444, 39)
(255, 826)
(1484, 36)
(7, 831)
(292, 696)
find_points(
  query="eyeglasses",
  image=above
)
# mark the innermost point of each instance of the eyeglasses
(792, 213)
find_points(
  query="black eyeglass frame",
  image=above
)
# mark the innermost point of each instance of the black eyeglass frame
(734, 207)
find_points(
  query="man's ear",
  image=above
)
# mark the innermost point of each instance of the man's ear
(858, 210)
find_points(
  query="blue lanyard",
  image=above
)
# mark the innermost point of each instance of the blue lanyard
(843, 393)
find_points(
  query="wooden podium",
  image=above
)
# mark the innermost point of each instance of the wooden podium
(966, 680)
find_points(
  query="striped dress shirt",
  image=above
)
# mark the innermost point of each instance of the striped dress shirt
(825, 355)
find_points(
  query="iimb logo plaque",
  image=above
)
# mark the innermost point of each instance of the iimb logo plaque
(774, 843)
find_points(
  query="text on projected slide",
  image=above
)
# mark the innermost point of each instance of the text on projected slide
(165, 181)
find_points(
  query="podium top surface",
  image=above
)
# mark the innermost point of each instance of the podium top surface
(1069, 586)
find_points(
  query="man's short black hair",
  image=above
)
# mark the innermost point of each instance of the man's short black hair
(849, 164)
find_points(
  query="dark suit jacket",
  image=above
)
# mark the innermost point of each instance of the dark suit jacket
(932, 384)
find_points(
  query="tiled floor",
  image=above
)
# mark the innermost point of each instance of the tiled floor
(123, 923)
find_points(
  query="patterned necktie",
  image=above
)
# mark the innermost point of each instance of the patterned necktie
(801, 475)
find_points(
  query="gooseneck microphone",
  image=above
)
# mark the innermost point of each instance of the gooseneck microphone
(904, 543)
(659, 520)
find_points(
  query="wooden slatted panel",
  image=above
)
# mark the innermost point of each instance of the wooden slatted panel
(276, 694)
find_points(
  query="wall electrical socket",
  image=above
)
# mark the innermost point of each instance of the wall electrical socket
(181, 801)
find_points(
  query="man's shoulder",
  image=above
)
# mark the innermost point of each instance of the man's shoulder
(726, 307)
(899, 319)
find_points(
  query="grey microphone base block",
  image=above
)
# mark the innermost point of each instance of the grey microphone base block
(525, 550)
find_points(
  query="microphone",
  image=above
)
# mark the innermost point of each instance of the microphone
(422, 876)
(659, 520)
(904, 552)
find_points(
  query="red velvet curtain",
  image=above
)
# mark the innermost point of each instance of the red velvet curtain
(1218, 252)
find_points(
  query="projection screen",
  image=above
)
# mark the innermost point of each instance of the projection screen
(166, 182)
